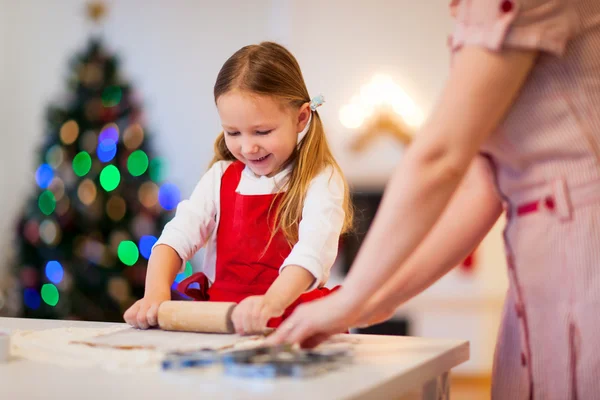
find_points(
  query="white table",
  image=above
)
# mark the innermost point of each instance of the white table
(385, 367)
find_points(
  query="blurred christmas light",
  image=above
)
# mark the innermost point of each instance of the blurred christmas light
(382, 91)
(55, 156)
(47, 202)
(29, 277)
(142, 225)
(31, 231)
(50, 294)
(68, 176)
(148, 194)
(89, 141)
(93, 250)
(44, 175)
(115, 208)
(82, 163)
(137, 163)
(69, 132)
(54, 271)
(63, 206)
(106, 150)
(169, 196)
(185, 274)
(109, 132)
(352, 115)
(111, 96)
(118, 289)
(50, 232)
(158, 169)
(133, 136)
(32, 298)
(87, 192)
(110, 177)
(146, 243)
(57, 187)
(128, 252)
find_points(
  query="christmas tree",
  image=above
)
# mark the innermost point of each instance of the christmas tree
(100, 200)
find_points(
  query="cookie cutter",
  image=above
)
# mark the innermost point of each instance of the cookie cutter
(271, 362)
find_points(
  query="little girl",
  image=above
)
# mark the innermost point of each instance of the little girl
(271, 208)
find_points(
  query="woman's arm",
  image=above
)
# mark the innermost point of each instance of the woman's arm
(481, 88)
(472, 212)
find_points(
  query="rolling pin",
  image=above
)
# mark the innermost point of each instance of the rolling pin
(196, 316)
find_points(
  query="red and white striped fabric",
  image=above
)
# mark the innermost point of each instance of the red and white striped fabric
(546, 157)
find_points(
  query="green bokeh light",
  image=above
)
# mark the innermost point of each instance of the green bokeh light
(110, 177)
(187, 272)
(50, 294)
(158, 169)
(111, 96)
(128, 252)
(82, 163)
(137, 163)
(47, 202)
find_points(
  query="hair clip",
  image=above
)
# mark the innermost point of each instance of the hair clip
(316, 102)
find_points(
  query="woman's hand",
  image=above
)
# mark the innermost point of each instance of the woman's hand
(312, 323)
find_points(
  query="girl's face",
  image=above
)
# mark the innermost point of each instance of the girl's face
(259, 130)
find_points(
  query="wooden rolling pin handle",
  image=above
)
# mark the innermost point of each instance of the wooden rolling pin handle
(196, 316)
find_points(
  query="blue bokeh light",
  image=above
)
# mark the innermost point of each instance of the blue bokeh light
(146, 243)
(107, 149)
(54, 272)
(169, 196)
(32, 298)
(44, 175)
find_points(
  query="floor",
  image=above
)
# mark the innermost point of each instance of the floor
(470, 387)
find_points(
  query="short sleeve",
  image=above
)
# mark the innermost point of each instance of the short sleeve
(320, 228)
(545, 25)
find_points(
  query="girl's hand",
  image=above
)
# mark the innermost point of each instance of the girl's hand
(312, 323)
(144, 312)
(252, 314)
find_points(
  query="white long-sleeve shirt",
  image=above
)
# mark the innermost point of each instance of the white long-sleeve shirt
(197, 218)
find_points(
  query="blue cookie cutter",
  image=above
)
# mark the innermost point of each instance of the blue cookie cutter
(192, 359)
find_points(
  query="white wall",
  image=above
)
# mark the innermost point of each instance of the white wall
(348, 43)
(3, 120)
(5, 149)
(172, 54)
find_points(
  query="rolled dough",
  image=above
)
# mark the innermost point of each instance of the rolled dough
(117, 349)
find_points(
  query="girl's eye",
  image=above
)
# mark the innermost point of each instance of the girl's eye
(232, 133)
(264, 132)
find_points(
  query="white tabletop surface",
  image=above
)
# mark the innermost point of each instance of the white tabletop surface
(384, 367)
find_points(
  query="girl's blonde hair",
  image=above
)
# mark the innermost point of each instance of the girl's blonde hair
(270, 69)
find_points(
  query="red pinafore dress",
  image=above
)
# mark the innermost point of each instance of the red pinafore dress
(243, 266)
